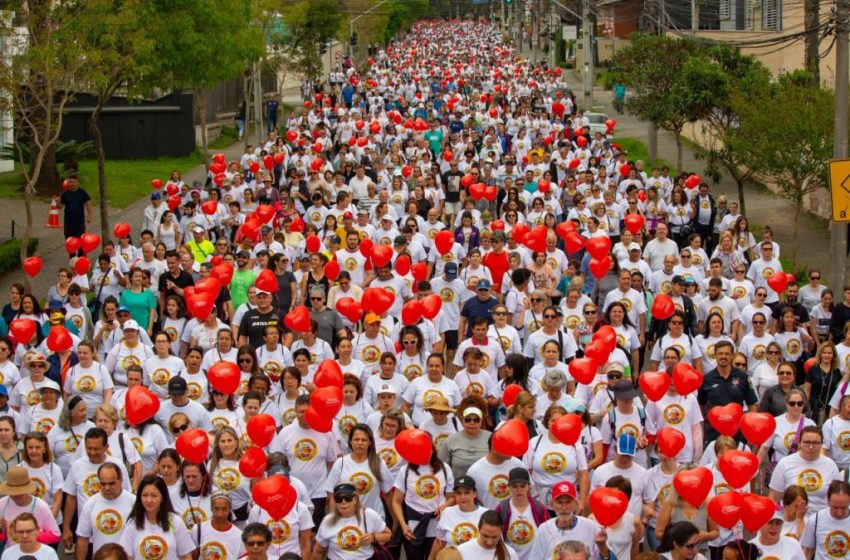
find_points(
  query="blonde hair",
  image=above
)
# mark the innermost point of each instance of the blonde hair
(107, 410)
(449, 553)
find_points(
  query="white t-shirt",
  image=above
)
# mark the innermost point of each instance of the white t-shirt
(219, 545)
(309, 453)
(346, 469)
(159, 371)
(836, 440)
(492, 480)
(102, 521)
(152, 542)
(635, 474)
(826, 535)
(471, 550)
(680, 413)
(88, 383)
(785, 433)
(424, 492)
(82, 481)
(813, 476)
(549, 536)
(786, 549)
(342, 538)
(457, 527)
(286, 531)
(44, 552)
(551, 463)
(423, 392)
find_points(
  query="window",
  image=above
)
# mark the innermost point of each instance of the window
(771, 15)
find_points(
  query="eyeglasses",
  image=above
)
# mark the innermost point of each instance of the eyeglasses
(773, 352)
(785, 373)
(739, 364)
(795, 403)
(761, 295)
(615, 376)
(758, 322)
(811, 443)
(677, 322)
(38, 365)
(536, 300)
(245, 360)
(316, 298)
(472, 420)
(500, 313)
(814, 277)
(550, 316)
(255, 543)
(344, 499)
(590, 312)
(181, 428)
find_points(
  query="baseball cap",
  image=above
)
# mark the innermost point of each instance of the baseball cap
(626, 445)
(198, 229)
(122, 309)
(625, 390)
(243, 254)
(575, 406)
(259, 291)
(177, 386)
(130, 325)
(634, 247)
(50, 384)
(344, 489)
(465, 482)
(3, 390)
(483, 284)
(372, 318)
(679, 279)
(266, 230)
(347, 216)
(387, 389)
(564, 488)
(155, 196)
(689, 279)
(518, 474)
(451, 270)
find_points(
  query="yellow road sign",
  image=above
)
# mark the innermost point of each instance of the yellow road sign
(839, 185)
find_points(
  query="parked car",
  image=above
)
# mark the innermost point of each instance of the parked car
(597, 123)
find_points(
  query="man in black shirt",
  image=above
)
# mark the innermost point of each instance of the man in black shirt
(329, 321)
(451, 182)
(723, 385)
(173, 281)
(78, 210)
(253, 325)
(801, 314)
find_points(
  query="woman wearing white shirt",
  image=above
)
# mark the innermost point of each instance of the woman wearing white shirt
(152, 530)
(223, 351)
(713, 333)
(765, 375)
(459, 523)
(129, 351)
(676, 338)
(350, 530)
(89, 379)
(206, 333)
(162, 366)
(754, 344)
(363, 469)
(9, 373)
(149, 440)
(65, 438)
(789, 426)
(552, 461)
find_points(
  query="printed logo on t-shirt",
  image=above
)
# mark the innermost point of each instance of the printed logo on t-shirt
(172, 333)
(71, 443)
(214, 551)
(345, 423)
(715, 309)
(389, 456)
(663, 493)
(350, 264)
(348, 538)
(463, 532)
(91, 485)
(86, 384)
(160, 376)
(130, 360)
(108, 522)
(759, 351)
(153, 547)
(362, 482)
(520, 532)
(628, 429)
(627, 303)
(474, 389)
(40, 488)
(837, 544)
(370, 354)
(553, 462)
(287, 416)
(33, 398)
(793, 346)
(192, 516)
(499, 487)
(767, 273)
(674, 414)
(843, 440)
(280, 531)
(431, 396)
(219, 422)
(438, 440)
(44, 425)
(447, 295)
(305, 449)
(194, 390)
(273, 369)
(412, 371)
(228, 479)
(427, 487)
(810, 479)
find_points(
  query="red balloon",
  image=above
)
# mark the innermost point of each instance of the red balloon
(275, 495)
(359, 124)
(140, 405)
(406, 171)
(444, 241)
(402, 265)
(265, 213)
(491, 192)
(598, 350)
(497, 225)
(173, 202)
(327, 401)
(224, 377)
(608, 335)
(686, 379)
(634, 223)
(575, 242)
(89, 242)
(625, 169)
(217, 168)
(332, 270)
(328, 374)
(381, 255)
(448, 156)
(670, 441)
(414, 446)
(216, 260)
(598, 247)
(519, 232)
(313, 243)
(608, 505)
(156, 183)
(72, 245)
(543, 186)
(82, 265)
(411, 312)
(726, 509)
(693, 181)
(211, 286)
(253, 463)
(209, 207)
(737, 467)
(298, 319)
(758, 427)
(377, 300)
(758, 510)
(431, 306)
(564, 229)
(349, 308)
(467, 180)
(807, 365)
(536, 239)
(32, 266)
(317, 421)
(362, 141)
(694, 485)
(583, 370)
(59, 339)
(317, 147)
(510, 393)
(581, 141)
(267, 281)
(567, 428)
(366, 247)
(121, 230)
(200, 305)
(574, 163)
(291, 136)
(610, 123)
(261, 429)
(511, 438)
(224, 273)
(23, 330)
(219, 178)
(654, 384)
(419, 271)
(193, 445)
(600, 267)
(663, 307)
(726, 419)
(268, 162)
(778, 281)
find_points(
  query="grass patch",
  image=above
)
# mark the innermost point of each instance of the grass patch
(227, 136)
(637, 151)
(10, 253)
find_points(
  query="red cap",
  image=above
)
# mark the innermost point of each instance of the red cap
(348, 216)
(564, 488)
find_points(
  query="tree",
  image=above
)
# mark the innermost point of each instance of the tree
(744, 75)
(37, 76)
(309, 24)
(785, 132)
(671, 81)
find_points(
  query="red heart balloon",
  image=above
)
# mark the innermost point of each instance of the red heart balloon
(807, 365)
(219, 158)
(377, 300)
(497, 225)
(654, 384)
(411, 312)
(59, 339)
(536, 239)
(511, 438)
(140, 405)
(663, 307)
(625, 169)
(757, 510)
(23, 330)
(328, 374)
(224, 273)
(634, 223)
(89, 242)
(519, 232)
(406, 171)
(431, 306)
(693, 181)
(608, 335)
(476, 190)
(216, 260)
(402, 265)
(686, 379)
(467, 180)
(737, 467)
(670, 441)
(265, 213)
(73, 244)
(758, 427)
(253, 463)
(444, 240)
(156, 183)
(193, 445)
(381, 255)
(510, 393)
(598, 247)
(491, 192)
(366, 247)
(32, 266)
(583, 370)
(543, 186)
(224, 377)
(575, 242)
(200, 305)
(313, 243)
(726, 419)
(327, 401)
(414, 446)
(419, 271)
(567, 428)
(267, 281)
(298, 319)
(447, 155)
(218, 179)
(694, 485)
(291, 136)
(608, 505)
(564, 229)
(726, 509)
(349, 308)
(581, 141)
(261, 429)
(332, 270)
(599, 268)
(209, 207)
(598, 351)
(275, 495)
(82, 265)
(121, 230)
(318, 422)
(211, 286)
(173, 202)
(778, 281)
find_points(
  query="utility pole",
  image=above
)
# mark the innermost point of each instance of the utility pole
(694, 16)
(587, 41)
(838, 235)
(258, 102)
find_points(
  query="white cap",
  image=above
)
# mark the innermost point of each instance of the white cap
(50, 384)
(386, 388)
(634, 246)
(130, 324)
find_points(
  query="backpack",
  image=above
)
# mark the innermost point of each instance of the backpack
(612, 419)
(538, 512)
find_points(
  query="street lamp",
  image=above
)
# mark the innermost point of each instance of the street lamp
(352, 20)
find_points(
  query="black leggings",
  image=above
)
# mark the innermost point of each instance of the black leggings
(420, 552)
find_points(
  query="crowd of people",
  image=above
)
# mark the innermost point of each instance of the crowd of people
(453, 168)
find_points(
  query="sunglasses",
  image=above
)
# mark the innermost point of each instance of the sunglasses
(181, 428)
(38, 365)
(795, 403)
(758, 322)
(785, 373)
(344, 499)
(536, 300)
(773, 352)
(245, 360)
(472, 420)
(615, 376)
(316, 298)
(739, 364)
(408, 342)
(550, 316)
(500, 313)
(590, 312)
(814, 277)
(255, 543)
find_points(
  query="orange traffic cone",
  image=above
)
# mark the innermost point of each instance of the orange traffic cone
(53, 215)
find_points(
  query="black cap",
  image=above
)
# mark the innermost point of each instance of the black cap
(625, 390)
(465, 482)
(177, 386)
(518, 474)
(344, 489)
(679, 279)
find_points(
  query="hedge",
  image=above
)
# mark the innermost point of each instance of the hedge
(10, 254)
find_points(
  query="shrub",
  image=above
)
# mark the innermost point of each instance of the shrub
(10, 254)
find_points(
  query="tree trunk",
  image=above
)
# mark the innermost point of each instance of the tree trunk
(811, 15)
(743, 206)
(202, 115)
(49, 180)
(247, 80)
(652, 144)
(678, 135)
(798, 209)
(94, 126)
(25, 241)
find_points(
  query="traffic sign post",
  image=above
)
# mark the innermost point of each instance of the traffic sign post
(839, 186)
